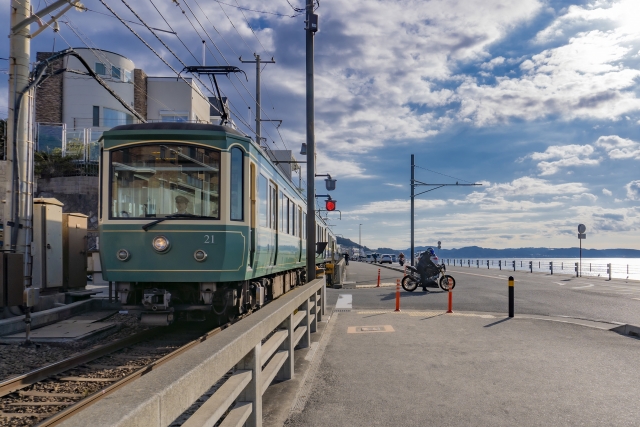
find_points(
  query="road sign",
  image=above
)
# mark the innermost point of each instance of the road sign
(582, 236)
(582, 228)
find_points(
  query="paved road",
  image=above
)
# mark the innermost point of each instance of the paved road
(486, 290)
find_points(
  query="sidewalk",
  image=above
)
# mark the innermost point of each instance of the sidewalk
(433, 369)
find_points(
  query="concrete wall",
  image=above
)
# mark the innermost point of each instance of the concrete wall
(78, 193)
(81, 93)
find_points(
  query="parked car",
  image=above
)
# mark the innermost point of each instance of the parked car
(385, 258)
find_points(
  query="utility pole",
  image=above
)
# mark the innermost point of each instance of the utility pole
(258, 61)
(18, 185)
(310, 28)
(18, 206)
(360, 239)
(414, 184)
(411, 255)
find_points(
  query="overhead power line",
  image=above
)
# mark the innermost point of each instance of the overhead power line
(448, 176)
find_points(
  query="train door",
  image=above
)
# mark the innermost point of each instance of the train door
(253, 207)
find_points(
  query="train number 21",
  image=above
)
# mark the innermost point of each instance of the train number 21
(208, 238)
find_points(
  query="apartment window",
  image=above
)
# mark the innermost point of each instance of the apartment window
(127, 76)
(115, 118)
(101, 70)
(96, 115)
(115, 73)
(175, 118)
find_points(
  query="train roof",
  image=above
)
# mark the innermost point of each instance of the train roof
(178, 126)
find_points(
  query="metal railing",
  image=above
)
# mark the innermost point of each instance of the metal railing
(164, 394)
(555, 266)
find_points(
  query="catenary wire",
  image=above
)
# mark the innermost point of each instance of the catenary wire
(448, 176)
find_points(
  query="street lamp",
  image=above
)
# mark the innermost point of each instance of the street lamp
(360, 238)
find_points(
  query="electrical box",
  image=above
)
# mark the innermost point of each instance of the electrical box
(11, 279)
(74, 250)
(47, 243)
(30, 297)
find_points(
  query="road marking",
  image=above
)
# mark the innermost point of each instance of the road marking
(636, 298)
(558, 283)
(581, 287)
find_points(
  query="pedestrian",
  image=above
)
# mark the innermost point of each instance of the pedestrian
(346, 258)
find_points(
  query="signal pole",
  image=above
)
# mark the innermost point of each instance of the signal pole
(310, 28)
(258, 106)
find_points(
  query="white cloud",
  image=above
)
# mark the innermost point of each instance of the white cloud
(393, 185)
(607, 192)
(566, 155)
(633, 190)
(528, 186)
(493, 63)
(584, 77)
(619, 148)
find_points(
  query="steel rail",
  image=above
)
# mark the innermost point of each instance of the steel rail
(89, 400)
(14, 384)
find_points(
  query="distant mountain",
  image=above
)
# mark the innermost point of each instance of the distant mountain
(478, 252)
(349, 243)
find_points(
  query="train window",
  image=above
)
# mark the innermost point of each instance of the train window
(157, 180)
(282, 213)
(273, 206)
(293, 221)
(237, 184)
(263, 188)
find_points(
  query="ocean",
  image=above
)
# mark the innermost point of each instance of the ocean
(621, 268)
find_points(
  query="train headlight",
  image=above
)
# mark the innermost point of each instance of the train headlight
(200, 255)
(123, 255)
(160, 243)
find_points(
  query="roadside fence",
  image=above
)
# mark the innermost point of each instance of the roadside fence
(553, 266)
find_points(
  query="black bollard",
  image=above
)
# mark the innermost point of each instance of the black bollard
(511, 296)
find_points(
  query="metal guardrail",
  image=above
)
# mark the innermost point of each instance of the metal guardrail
(159, 397)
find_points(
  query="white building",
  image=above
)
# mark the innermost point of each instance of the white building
(173, 100)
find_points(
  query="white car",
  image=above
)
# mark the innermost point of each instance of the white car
(385, 258)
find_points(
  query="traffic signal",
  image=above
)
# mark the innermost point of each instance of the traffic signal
(330, 205)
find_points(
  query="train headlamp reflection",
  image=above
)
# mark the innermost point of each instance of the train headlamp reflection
(160, 243)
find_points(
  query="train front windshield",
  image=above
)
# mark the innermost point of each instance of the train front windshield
(150, 181)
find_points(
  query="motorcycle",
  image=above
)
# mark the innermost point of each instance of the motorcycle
(401, 261)
(412, 280)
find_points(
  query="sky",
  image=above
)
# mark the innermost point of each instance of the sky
(537, 100)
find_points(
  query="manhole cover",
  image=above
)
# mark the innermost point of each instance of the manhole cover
(365, 329)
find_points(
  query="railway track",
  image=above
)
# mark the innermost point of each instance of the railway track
(53, 393)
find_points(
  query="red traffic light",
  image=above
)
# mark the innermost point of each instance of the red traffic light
(330, 205)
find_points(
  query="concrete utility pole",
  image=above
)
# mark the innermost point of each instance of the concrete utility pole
(411, 255)
(311, 28)
(258, 61)
(18, 202)
(18, 185)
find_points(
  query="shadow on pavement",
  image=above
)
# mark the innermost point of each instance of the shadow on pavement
(495, 323)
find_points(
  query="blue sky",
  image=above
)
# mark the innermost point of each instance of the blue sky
(538, 100)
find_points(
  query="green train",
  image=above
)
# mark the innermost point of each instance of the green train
(196, 221)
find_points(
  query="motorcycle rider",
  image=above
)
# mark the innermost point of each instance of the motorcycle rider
(401, 259)
(427, 267)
